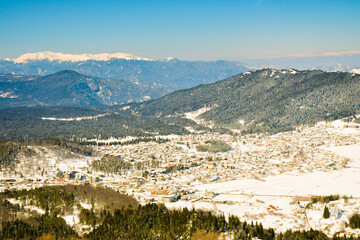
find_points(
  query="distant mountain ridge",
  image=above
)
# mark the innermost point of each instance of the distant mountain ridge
(71, 88)
(171, 73)
(62, 57)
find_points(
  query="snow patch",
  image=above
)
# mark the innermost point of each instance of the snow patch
(292, 71)
(356, 71)
(7, 95)
(242, 122)
(168, 59)
(75, 118)
(193, 115)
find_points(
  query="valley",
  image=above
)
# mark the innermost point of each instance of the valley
(272, 179)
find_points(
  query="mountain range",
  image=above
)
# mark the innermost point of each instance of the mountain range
(266, 100)
(170, 73)
(71, 88)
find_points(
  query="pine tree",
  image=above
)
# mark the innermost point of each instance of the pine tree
(326, 213)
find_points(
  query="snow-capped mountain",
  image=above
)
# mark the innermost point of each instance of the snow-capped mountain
(336, 67)
(63, 57)
(170, 73)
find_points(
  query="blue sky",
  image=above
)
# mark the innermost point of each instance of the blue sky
(186, 29)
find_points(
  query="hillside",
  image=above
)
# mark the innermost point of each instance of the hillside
(265, 99)
(83, 122)
(71, 88)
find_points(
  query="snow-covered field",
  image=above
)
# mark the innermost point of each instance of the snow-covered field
(342, 182)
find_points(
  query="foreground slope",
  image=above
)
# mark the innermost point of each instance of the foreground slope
(265, 99)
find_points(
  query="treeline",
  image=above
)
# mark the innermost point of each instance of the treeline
(213, 146)
(54, 200)
(111, 165)
(73, 146)
(309, 234)
(8, 153)
(325, 199)
(60, 200)
(154, 221)
(34, 228)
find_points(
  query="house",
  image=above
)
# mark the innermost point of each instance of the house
(336, 212)
(167, 198)
(60, 180)
(159, 192)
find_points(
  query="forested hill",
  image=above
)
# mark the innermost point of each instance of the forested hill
(265, 99)
(71, 88)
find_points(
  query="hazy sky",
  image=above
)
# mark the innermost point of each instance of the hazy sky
(185, 29)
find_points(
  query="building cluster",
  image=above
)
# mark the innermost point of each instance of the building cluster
(177, 167)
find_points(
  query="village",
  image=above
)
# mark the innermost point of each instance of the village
(251, 179)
